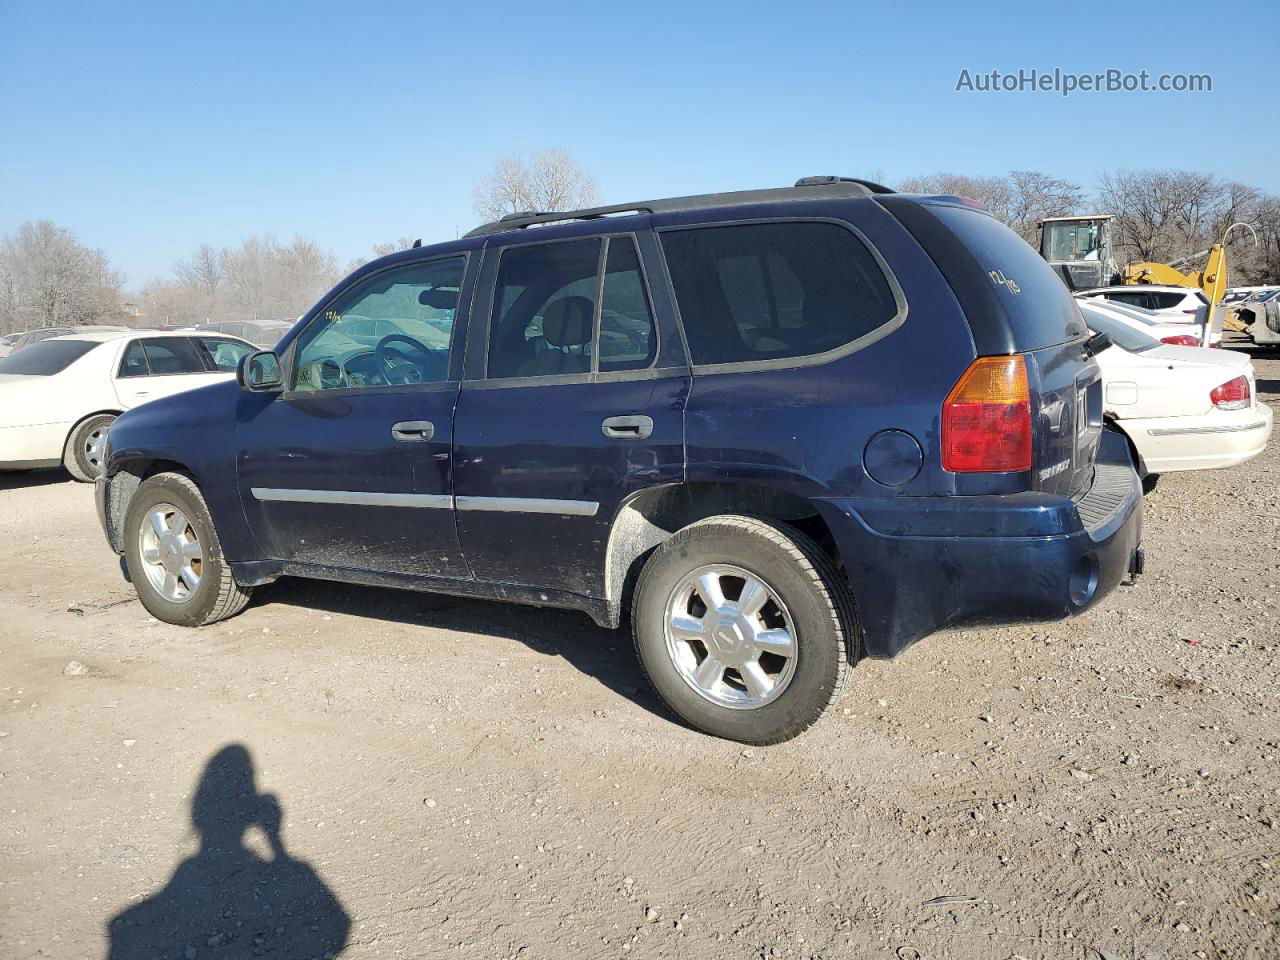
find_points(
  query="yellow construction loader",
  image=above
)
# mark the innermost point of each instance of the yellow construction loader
(1079, 249)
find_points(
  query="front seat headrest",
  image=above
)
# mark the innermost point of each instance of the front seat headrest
(568, 322)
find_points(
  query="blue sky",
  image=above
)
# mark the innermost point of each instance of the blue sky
(149, 128)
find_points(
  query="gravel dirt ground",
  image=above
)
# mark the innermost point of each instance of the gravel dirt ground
(449, 778)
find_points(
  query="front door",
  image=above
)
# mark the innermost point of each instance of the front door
(350, 467)
(574, 407)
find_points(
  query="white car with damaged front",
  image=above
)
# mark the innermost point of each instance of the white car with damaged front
(58, 397)
(1182, 408)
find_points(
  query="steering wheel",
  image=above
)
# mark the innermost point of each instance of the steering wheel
(395, 364)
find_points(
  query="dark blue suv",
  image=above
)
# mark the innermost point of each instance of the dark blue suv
(778, 429)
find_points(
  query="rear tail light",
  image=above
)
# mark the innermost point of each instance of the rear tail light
(1182, 340)
(1215, 346)
(1232, 395)
(986, 418)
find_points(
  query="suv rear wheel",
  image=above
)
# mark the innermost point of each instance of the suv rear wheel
(174, 558)
(745, 628)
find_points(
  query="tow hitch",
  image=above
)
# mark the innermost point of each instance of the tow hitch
(1137, 565)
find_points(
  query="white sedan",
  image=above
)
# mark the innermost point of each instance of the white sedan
(1154, 324)
(59, 397)
(1182, 408)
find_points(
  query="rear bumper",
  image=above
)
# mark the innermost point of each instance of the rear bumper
(918, 565)
(1217, 439)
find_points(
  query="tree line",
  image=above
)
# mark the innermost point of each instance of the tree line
(48, 278)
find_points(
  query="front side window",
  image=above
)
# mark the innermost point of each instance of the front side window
(172, 355)
(393, 328)
(771, 291)
(223, 355)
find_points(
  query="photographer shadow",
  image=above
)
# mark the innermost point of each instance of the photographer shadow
(227, 900)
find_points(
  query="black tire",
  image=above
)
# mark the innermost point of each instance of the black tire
(1149, 483)
(814, 592)
(77, 457)
(217, 596)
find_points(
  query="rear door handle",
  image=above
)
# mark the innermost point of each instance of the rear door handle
(627, 428)
(413, 431)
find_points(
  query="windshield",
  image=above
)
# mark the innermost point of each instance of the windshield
(45, 358)
(1122, 335)
(1073, 242)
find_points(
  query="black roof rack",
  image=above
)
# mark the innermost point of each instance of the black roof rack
(807, 188)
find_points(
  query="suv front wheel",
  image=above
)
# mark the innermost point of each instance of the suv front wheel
(173, 555)
(745, 628)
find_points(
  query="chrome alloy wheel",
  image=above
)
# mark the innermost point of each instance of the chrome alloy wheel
(94, 447)
(172, 556)
(730, 637)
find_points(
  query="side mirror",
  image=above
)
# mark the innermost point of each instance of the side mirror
(259, 372)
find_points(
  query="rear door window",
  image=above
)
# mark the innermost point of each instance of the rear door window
(172, 355)
(775, 291)
(546, 305)
(45, 358)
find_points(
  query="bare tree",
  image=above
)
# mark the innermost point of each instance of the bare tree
(1034, 196)
(49, 278)
(1171, 215)
(548, 180)
(395, 246)
(262, 279)
(1019, 200)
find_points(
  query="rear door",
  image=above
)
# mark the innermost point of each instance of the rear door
(574, 400)
(350, 467)
(153, 367)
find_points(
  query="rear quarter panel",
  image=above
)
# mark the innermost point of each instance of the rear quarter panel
(804, 428)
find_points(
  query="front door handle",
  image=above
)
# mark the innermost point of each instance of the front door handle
(413, 431)
(627, 428)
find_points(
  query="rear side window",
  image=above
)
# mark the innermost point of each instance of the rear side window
(173, 355)
(1167, 299)
(45, 358)
(773, 291)
(1036, 304)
